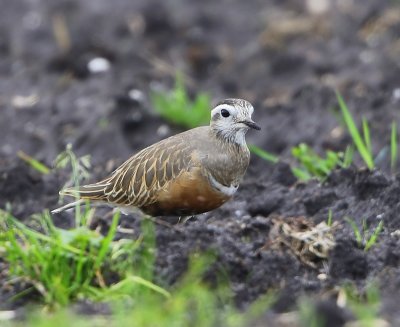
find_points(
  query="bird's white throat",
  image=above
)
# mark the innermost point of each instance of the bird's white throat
(233, 136)
(227, 190)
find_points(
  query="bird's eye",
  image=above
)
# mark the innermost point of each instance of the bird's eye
(225, 113)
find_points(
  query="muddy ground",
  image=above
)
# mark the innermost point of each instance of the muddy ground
(286, 57)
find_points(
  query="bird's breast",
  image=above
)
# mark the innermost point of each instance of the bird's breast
(190, 193)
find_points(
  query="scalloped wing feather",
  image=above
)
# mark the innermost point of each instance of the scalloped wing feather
(138, 181)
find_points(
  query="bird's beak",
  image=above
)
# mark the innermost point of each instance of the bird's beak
(251, 124)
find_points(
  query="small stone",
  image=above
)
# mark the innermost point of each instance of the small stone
(23, 102)
(136, 95)
(98, 65)
(318, 7)
(396, 94)
(163, 130)
(238, 213)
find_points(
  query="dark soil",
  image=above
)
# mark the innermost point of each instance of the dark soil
(280, 55)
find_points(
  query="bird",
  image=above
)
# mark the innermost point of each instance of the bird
(189, 173)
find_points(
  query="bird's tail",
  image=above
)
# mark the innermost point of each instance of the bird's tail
(90, 192)
(95, 192)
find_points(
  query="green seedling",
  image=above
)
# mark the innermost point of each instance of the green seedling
(313, 165)
(362, 143)
(79, 171)
(177, 108)
(366, 306)
(393, 147)
(348, 157)
(79, 165)
(364, 237)
(267, 156)
(35, 164)
(310, 163)
(330, 218)
(308, 314)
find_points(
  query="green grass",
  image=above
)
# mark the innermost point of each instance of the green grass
(267, 156)
(393, 147)
(309, 163)
(308, 315)
(191, 303)
(361, 142)
(66, 265)
(79, 171)
(177, 108)
(63, 266)
(365, 237)
(35, 164)
(330, 218)
(364, 305)
(312, 165)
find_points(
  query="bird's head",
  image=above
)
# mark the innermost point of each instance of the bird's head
(231, 119)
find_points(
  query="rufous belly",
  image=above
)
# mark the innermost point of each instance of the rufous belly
(189, 194)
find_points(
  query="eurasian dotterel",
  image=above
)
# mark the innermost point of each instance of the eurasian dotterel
(189, 173)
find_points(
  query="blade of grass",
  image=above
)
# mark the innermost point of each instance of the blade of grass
(127, 283)
(372, 240)
(301, 174)
(356, 230)
(36, 235)
(35, 164)
(355, 134)
(263, 154)
(393, 147)
(330, 217)
(348, 157)
(105, 246)
(367, 135)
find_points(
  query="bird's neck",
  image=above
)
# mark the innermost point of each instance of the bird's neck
(231, 159)
(231, 137)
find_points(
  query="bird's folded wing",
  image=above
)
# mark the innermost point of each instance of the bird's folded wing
(138, 181)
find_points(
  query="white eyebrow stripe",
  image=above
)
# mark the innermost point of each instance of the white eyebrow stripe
(218, 108)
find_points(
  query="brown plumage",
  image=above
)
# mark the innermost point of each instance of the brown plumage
(189, 173)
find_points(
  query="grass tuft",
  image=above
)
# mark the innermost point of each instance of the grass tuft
(365, 237)
(177, 108)
(364, 305)
(65, 265)
(79, 171)
(393, 147)
(362, 143)
(191, 303)
(330, 218)
(313, 165)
